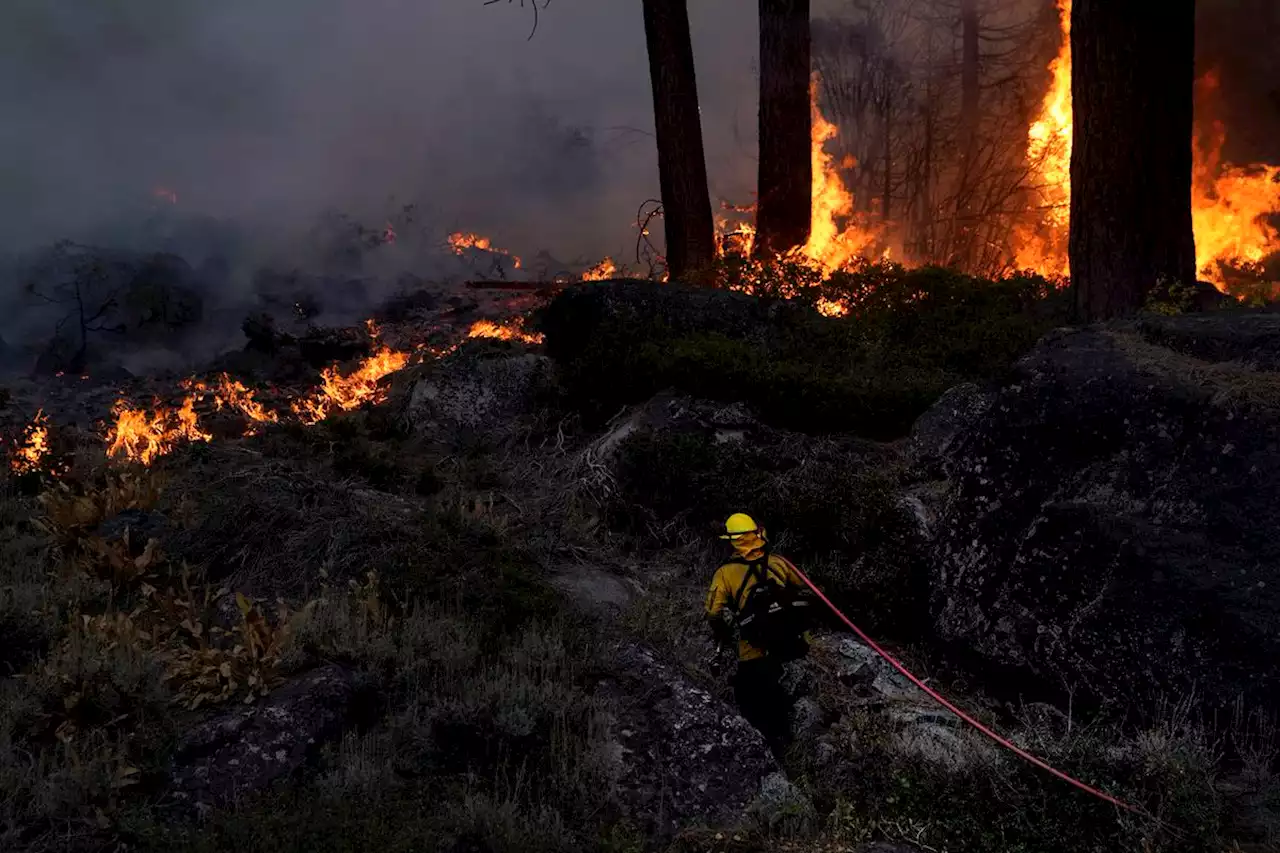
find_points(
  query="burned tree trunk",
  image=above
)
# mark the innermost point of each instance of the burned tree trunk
(785, 179)
(1131, 90)
(682, 167)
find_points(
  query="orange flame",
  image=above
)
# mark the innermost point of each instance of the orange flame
(460, 242)
(836, 238)
(602, 271)
(165, 194)
(35, 445)
(343, 393)
(831, 307)
(1040, 244)
(830, 247)
(232, 394)
(1230, 205)
(512, 331)
(140, 437)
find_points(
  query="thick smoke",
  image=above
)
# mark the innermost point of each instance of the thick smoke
(264, 119)
(268, 113)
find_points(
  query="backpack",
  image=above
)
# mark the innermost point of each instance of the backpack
(774, 616)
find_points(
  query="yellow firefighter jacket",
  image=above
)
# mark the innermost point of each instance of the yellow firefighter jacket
(730, 586)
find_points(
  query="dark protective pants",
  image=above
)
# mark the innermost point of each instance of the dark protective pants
(763, 701)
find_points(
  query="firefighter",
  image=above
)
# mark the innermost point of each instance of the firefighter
(771, 608)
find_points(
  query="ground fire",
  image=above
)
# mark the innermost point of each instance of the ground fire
(511, 331)
(142, 436)
(30, 453)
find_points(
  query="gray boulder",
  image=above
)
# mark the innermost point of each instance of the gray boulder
(248, 748)
(1108, 522)
(475, 393)
(916, 724)
(684, 757)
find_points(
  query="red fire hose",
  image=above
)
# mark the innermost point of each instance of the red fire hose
(941, 700)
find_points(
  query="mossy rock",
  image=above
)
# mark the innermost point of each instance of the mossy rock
(911, 335)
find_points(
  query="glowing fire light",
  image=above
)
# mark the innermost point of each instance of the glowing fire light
(1041, 244)
(830, 247)
(1230, 204)
(232, 394)
(165, 194)
(142, 437)
(35, 445)
(831, 307)
(460, 242)
(602, 271)
(343, 393)
(836, 238)
(512, 331)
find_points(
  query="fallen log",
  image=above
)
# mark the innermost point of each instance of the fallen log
(498, 284)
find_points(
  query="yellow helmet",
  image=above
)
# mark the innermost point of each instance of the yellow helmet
(739, 524)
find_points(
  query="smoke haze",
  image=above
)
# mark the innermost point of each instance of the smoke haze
(231, 128)
(268, 114)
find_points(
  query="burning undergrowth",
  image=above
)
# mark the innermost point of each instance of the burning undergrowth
(201, 409)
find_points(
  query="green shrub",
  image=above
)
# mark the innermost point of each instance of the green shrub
(492, 751)
(831, 512)
(908, 336)
(1004, 804)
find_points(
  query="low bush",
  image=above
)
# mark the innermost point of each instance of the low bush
(1000, 803)
(833, 511)
(907, 336)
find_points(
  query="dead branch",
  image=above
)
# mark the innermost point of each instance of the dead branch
(534, 4)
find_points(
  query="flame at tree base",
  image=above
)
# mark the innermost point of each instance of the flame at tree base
(1230, 205)
(837, 240)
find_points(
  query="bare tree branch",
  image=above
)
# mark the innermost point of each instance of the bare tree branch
(534, 4)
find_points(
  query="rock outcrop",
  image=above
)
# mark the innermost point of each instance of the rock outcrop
(1108, 523)
(251, 747)
(684, 757)
(482, 394)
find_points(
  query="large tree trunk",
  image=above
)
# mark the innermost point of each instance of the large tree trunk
(784, 207)
(1131, 91)
(682, 167)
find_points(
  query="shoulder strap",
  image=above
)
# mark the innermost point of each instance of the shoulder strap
(753, 570)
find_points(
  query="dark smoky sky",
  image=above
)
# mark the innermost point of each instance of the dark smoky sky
(1240, 40)
(270, 112)
(267, 112)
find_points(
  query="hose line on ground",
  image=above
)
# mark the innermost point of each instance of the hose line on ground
(944, 702)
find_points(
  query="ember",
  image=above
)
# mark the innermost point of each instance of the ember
(512, 331)
(602, 271)
(31, 453)
(460, 243)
